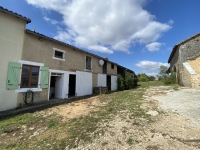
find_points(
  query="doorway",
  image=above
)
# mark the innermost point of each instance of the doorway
(56, 83)
(109, 82)
(72, 85)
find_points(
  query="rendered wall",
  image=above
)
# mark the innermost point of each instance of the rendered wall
(11, 43)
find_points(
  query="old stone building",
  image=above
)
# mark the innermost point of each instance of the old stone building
(185, 61)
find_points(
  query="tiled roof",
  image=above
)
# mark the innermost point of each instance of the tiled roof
(174, 48)
(49, 38)
(15, 14)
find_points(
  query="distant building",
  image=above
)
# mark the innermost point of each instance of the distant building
(185, 61)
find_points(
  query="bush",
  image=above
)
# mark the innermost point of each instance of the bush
(143, 79)
(128, 81)
(120, 83)
(170, 80)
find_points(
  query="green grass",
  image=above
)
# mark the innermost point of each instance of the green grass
(151, 83)
(84, 128)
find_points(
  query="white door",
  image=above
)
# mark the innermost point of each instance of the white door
(83, 83)
(113, 83)
(58, 87)
(102, 80)
(66, 85)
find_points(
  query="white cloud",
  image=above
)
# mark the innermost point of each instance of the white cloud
(150, 65)
(155, 46)
(100, 49)
(50, 20)
(115, 23)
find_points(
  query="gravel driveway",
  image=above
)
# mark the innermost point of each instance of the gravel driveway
(185, 102)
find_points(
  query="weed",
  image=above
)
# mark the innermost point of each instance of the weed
(104, 143)
(53, 123)
(130, 141)
(11, 146)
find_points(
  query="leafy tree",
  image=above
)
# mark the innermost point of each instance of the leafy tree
(128, 80)
(143, 77)
(120, 83)
(162, 73)
(151, 78)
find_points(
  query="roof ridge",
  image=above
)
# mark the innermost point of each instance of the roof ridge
(28, 20)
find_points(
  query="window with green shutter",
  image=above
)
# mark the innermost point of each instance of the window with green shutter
(12, 82)
(44, 77)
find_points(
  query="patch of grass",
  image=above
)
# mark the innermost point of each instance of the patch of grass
(25, 119)
(151, 83)
(104, 143)
(84, 128)
(136, 124)
(11, 146)
(176, 87)
(52, 123)
(130, 141)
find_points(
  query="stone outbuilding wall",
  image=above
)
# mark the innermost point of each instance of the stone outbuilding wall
(186, 51)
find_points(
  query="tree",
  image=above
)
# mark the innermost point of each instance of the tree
(151, 78)
(143, 77)
(162, 73)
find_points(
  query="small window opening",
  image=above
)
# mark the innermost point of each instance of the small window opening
(58, 54)
(112, 66)
(88, 63)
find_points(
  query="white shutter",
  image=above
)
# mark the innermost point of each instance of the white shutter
(113, 83)
(102, 80)
(83, 83)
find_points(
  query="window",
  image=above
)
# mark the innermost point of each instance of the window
(88, 63)
(29, 77)
(58, 54)
(112, 66)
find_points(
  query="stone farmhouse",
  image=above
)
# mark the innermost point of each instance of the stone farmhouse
(48, 67)
(185, 61)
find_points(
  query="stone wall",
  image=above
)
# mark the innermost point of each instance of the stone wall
(190, 49)
(186, 78)
(185, 52)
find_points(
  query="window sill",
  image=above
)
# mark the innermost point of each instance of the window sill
(88, 70)
(58, 58)
(26, 89)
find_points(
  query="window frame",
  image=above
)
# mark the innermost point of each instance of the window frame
(58, 50)
(30, 76)
(35, 89)
(90, 63)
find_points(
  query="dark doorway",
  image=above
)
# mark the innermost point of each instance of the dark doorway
(105, 67)
(72, 85)
(109, 82)
(52, 87)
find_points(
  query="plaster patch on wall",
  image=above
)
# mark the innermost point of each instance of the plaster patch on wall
(189, 68)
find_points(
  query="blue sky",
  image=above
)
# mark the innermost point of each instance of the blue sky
(137, 34)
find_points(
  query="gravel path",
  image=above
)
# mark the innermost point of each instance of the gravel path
(186, 102)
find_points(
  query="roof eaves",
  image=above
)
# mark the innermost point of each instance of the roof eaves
(15, 14)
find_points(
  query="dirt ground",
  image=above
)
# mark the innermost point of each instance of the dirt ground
(171, 127)
(169, 131)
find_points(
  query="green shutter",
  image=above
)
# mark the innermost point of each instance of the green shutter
(44, 77)
(12, 82)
